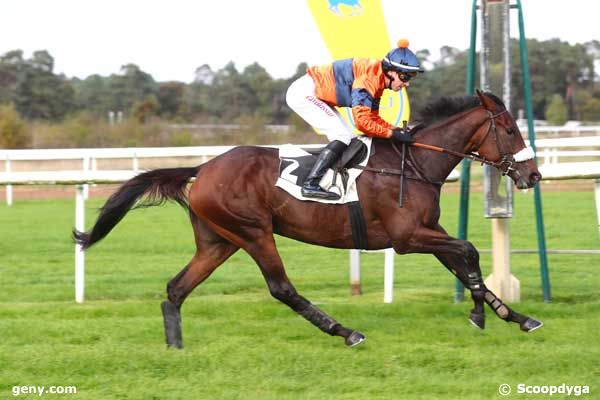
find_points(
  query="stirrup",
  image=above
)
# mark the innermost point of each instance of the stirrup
(315, 191)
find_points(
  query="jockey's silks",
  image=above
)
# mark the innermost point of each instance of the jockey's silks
(357, 83)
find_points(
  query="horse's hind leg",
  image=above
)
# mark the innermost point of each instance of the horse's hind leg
(211, 252)
(264, 252)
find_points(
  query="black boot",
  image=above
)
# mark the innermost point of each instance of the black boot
(327, 158)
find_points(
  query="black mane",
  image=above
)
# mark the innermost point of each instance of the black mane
(445, 107)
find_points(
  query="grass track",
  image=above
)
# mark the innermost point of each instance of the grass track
(242, 344)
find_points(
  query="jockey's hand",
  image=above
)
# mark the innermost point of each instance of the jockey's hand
(399, 135)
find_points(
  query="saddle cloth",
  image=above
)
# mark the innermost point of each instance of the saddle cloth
(295, 164)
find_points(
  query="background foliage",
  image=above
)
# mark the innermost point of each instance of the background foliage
(560, 72)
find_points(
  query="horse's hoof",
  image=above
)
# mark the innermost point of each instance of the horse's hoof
(172, 322)
(477, 320)
(531, 325)
(355, 338)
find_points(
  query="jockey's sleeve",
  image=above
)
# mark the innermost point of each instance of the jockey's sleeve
(365, 111)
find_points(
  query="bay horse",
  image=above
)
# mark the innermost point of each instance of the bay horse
(234, 203)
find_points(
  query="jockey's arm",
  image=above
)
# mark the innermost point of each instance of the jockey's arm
(365, 112)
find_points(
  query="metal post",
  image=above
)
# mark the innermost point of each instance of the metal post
(530, 127)
(498, 206)
(79, 254)
(465, 170)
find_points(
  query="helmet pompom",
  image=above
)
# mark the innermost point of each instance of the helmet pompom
(403, 43)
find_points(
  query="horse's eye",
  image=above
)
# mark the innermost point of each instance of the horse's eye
(510, 131)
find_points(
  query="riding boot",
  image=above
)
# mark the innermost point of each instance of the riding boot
(326, 159)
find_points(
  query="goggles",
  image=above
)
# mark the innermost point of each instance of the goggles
(406, 76)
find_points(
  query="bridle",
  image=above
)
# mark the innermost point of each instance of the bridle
(505, 164)
(507, 159)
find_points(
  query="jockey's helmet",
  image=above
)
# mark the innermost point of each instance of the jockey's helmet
(401, 59)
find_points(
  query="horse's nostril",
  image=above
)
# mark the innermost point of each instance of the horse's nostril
(535, 177)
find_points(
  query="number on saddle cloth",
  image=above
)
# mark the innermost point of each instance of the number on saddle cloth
(296, 168)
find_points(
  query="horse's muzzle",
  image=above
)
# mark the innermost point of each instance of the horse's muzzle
(531, 181)
(534, 178)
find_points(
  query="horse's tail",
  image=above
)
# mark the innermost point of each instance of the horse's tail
(158, 186)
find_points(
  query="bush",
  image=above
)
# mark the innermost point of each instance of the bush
(13, 130)
(556, 113)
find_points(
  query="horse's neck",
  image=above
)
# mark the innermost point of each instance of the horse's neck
(454, 134)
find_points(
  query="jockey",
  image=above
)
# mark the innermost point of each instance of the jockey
(357, 83)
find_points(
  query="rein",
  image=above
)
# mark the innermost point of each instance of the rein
(505, 165)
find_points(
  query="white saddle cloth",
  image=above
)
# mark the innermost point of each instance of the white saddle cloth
(287, 179)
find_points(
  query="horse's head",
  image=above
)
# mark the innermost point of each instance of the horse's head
(499, 140)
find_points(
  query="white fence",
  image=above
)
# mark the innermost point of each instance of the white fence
(89, 157)
(560, 131)
(550, 150)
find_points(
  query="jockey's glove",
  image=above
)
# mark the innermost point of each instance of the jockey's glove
(399, 135)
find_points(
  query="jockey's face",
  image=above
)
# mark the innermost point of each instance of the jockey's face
(397, 80)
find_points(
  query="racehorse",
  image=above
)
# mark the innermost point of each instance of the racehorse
(234, 203)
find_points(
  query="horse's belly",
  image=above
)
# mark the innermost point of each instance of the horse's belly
(325, 225)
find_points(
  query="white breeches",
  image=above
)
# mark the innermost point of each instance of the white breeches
(326, 120)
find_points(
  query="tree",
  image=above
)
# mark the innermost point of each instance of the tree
(130, 86)
(12, 65)
(588, 106)
(555, 67)
(39, 93)
(447, 78)
(230, 94)
(142, 110)
(204, 75)
(13, 132)
(93, 94)
(556, 113)
(170, 98)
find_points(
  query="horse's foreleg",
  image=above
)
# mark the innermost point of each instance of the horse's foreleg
(462, 259)
(266, 256)
(207, 258)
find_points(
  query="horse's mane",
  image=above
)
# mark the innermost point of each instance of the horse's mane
(445, 107)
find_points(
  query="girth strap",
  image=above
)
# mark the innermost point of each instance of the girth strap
(358, 225)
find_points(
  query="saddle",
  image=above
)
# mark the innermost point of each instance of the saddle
(355, 153)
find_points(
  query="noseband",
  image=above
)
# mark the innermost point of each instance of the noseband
(505, 164)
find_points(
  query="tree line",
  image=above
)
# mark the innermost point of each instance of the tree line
(564, 83)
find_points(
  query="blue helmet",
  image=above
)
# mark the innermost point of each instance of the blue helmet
(401, 59)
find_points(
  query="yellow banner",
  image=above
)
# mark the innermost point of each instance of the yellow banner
(356, 28)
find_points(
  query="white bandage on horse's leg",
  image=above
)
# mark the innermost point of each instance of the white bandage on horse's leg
(497, 305)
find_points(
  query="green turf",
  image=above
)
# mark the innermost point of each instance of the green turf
(242, 344)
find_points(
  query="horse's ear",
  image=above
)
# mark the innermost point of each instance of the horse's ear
(481, 96)
(485, 100)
